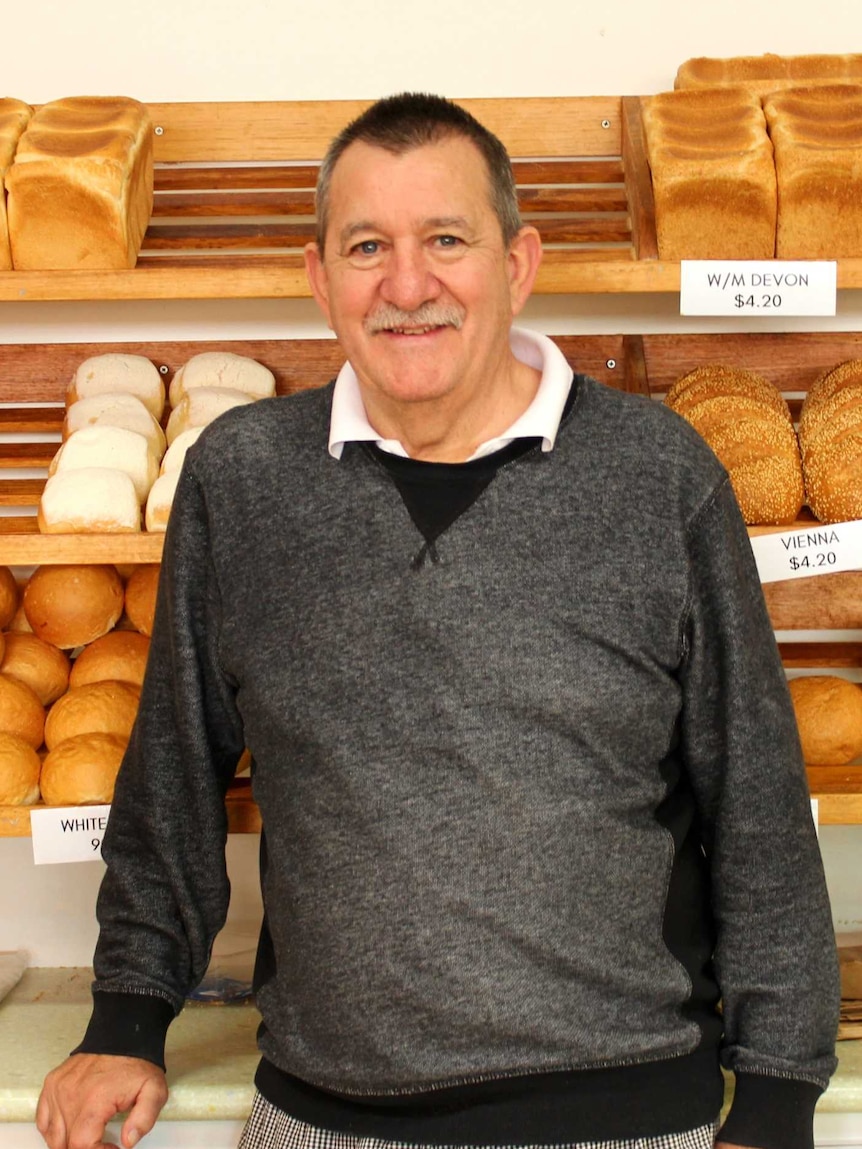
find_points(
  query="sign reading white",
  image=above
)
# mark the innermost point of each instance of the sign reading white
(815, 550)
(758, 287)
(68, 833)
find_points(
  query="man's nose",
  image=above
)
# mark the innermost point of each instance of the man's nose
(409, 280)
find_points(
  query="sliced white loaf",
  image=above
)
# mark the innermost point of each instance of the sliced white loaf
(111, 447)
(14, 116)
(223, 369)
(115, 410)
(91, 500)
(112, 373)
(200, 406)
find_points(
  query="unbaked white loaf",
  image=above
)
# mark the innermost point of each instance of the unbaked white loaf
(115, 410)
(89, 500)
(80, 188)
(14, 116)
(175, 455)
(114, 372)
(200, 406)
(160, 500)
(113, 448)
(223, 369)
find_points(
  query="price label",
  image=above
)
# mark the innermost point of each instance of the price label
(758, 287)
(816, 550)
(68, 833)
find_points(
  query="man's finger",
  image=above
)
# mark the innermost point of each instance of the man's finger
(143, 1114)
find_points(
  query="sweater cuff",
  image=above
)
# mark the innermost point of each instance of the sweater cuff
(771, 1112)
(128, 1025)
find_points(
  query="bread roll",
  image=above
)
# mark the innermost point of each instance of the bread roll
(141, 592)
(14, 116)
(20, 767)
(80, 188)
(100, 500)
(829, 716)
(114, 374)
(817, 136)
(761, 75)
(113, 448)
(21, 712)
(10, 597)
(175, 455)
(82, 770)
(223, 369)
(200, 406)
(38, 664)
(72, 605)
(160, 500)
(713, 175)
(120, 656)
(115, 410)
(20, 623)
(106, 707)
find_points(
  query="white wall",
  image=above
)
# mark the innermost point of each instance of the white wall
(337, 49)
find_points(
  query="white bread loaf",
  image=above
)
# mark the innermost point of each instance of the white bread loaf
(21, 712)
(113, 448)
(140, 597)
(115, 410)
(120, 656)
(80, 188)
(82, 770)
(107, 707)
(160, 500)
(14, 116)
(119, 373)
(38, 664)
(175, 455)
(223, 369)
(20, 767)
(71, 605)
(200, 406)
(89, 500)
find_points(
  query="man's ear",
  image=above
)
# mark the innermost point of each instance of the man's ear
(316, 272)
(524, 257)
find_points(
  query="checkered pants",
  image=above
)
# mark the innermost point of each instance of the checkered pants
(270, 1128)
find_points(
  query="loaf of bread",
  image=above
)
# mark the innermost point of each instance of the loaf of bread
(21, 712)
(817, 136)
(9, 597)
(82, 770)
(80, 188)
(223, 369)
(14, 116)
(38, 664)
(830, 438)
(95, 500)
(106, 707)
(141, 591)
(201, 406)
(120, 656)
(713, 175)
(768, 73)
(20, 767)
(829, 716)
(175, 455)
(114, 373)
(160, 500)
(115, 410)
(113, 448)
(71, 605)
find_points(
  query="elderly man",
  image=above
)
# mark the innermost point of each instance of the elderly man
(537, 857)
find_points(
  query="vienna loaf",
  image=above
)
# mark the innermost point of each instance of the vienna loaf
(80, 188)
(713, 175)
(14, 115)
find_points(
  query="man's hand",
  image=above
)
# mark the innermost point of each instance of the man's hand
(82, 1095)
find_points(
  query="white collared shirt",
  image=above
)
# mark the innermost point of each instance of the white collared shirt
(349, 421)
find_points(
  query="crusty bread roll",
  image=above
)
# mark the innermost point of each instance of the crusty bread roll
(20, 767)
(160, 500)
(200, 406)
(141, 591)
(175, 455)
(829, 716)
(713, 175)
(21, 712)
(817, 136)
(106, 707)
(39, 664)
(115, 409)
(223, 369)
(9, 597)
(14, 116)
(120, 656)
(82, 770)
(72, 605)
(769, 72)
(113, 448)
(100, 500)
(114, 373)
(80, 188)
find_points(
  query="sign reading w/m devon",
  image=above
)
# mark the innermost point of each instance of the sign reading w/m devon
(758, 287)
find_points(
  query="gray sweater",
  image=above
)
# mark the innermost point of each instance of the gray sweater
(475, 774)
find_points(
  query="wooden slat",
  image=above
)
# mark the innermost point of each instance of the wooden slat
(638, 182)
(21, 492)
(26, 454)
(634, 365)
(170, 237)
(178, 178)
(546, 199)
(568, 171)
(22, 545)
(827, 602)
(40, 420)
(830, 655)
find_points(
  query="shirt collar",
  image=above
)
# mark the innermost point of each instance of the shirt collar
(349, 421)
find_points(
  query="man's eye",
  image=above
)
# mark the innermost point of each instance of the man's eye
(448, 240)
(367, 247)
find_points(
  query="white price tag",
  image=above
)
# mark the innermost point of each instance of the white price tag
(815, 550)
(68, 833)
(758, 287)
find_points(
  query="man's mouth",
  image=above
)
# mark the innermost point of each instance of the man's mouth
(424, 320)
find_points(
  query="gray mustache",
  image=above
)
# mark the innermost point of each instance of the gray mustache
(387, 317)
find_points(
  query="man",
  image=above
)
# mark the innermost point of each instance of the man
(529, 777)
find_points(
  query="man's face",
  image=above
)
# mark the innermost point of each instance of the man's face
(416, 280)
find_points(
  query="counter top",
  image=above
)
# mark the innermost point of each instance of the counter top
(211, 1052)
